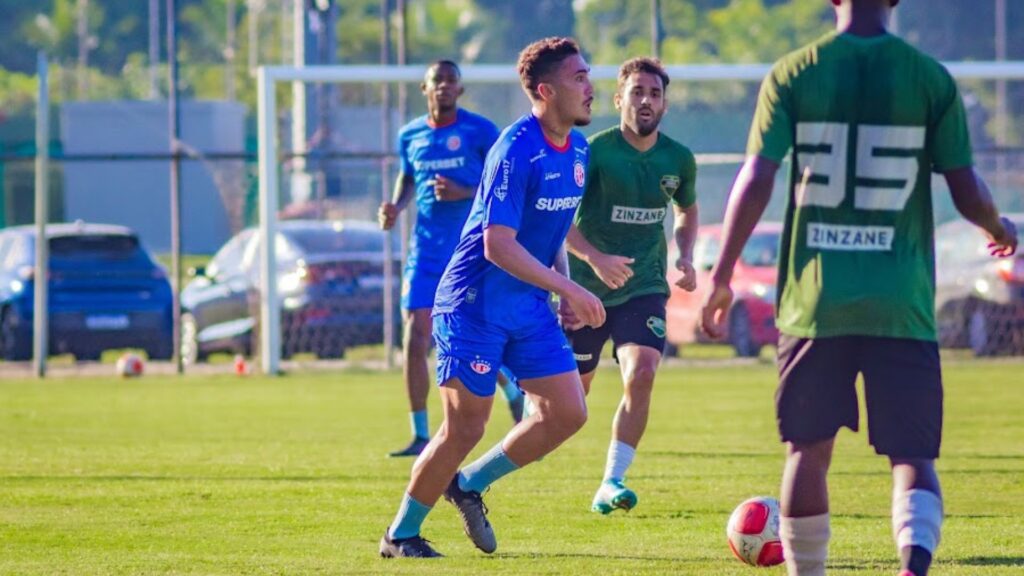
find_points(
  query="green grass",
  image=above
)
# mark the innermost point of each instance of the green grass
(224, 475)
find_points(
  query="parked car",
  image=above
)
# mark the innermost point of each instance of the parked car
(105, 291)
(979, 300)
(751, 322)
(330, 279)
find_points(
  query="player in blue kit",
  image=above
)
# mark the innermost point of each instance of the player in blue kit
(492, 305)
(442, 155)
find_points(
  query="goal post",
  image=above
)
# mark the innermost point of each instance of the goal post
(268, 152)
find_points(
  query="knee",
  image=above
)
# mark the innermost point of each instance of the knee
(568, 420)
(640, 379)
(816, 455)
(463, 432)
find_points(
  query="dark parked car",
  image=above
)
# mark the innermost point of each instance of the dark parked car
(330, 280)
(105, 291)
(979, 300)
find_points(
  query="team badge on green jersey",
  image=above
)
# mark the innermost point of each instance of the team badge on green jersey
(657, 326)
(669, 185)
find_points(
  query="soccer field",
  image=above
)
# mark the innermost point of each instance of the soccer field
(228, 475)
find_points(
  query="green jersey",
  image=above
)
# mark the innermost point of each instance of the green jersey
(624, 208)
(868, 120)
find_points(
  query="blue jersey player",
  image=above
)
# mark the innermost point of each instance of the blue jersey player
(442, 155)
(492, 305)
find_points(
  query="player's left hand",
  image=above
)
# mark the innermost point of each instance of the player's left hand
(1004, 245)
(715, 311)
(567, 317)
(688, 281)
(446, 190)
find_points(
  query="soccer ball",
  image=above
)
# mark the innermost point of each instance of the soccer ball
(129, 365)
(753, 532)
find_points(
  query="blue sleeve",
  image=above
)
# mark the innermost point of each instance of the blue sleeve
(404, 163)
(488, 136)
(504, 188)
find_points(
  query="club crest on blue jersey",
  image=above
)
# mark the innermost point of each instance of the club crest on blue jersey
(578, 173)
(454, 142)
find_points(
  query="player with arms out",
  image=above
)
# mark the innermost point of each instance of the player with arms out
(618, 251)
(442, 154)
(868, 118)
(492, 304)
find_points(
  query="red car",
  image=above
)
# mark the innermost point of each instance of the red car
(751, 322)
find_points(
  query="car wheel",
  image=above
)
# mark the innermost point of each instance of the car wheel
(981, 335)
(190, 354)
(740, 334)
(13, 348)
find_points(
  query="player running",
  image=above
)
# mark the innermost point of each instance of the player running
(618, 251)
(868, 118)
(492, 304)
(442, 155)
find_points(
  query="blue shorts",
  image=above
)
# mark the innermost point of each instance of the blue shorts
(419, 284)
(473, 351)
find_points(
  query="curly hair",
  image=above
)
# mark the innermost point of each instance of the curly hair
(540, 58)
(642, 64)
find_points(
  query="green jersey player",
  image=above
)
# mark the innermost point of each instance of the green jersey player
(868, 118)
(618, 251)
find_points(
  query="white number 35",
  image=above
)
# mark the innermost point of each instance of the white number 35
(886, 171)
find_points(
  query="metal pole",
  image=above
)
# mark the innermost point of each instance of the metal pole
(154, 48)
(1002, 118)
(41, 320)
(300, 180)
(82, 30)
(404, 221)
(656, 28)
(385, 187)
(270, 318)
(229, 53)
(174, 129)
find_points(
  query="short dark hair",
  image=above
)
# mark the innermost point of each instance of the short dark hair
(642, 64)
(440, 63)
(540, 58)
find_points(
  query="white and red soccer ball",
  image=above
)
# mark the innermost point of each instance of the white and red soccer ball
(753, 532)
(130, 365)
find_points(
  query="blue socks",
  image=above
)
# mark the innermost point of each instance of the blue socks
(409, 518)
(419, 424)
(486, 470)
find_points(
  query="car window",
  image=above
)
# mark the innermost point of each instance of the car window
(285, 252)
(330, 241)
(228, 260)
(94, 246)
(761, 250)
(18, 252)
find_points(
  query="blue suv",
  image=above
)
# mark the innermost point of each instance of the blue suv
(105, 291)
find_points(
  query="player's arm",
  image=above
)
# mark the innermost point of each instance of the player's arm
(747, 200)
(448, 190)
(684, 232)
(613, 270)
(974, 202)
(566, 317)
(388, 212)
(503, 250)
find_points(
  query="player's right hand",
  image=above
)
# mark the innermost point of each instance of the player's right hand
(1005, 244)
(587, 307)
(387, 214)
(613, 270)
(715, 311)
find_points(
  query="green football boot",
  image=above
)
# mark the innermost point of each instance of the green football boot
(613, 495)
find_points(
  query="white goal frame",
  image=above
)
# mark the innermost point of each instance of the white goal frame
(268, 174)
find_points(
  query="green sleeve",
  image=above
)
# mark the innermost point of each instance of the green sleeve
(686, 195)
(949, 141)
(771, 133)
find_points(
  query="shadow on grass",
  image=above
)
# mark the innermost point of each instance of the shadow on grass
(992, 561)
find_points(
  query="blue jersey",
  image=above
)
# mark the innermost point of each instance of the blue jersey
(455, 151)
(529, 185)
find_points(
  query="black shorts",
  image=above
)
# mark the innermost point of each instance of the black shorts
(817, 392)
(637, 321)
